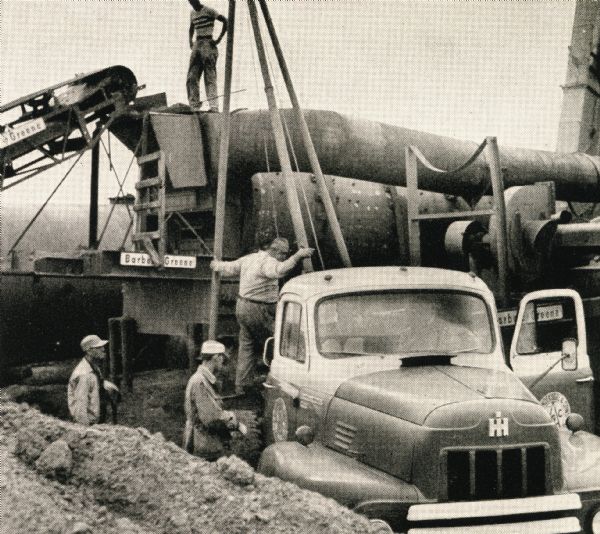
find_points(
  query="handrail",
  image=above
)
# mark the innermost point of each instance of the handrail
(426, 163)
(413, 156)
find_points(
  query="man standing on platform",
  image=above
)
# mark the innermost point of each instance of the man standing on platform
(255, 309)
(204, 54)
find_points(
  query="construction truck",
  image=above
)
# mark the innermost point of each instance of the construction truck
(389, 392)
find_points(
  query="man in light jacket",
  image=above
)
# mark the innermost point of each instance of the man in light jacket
(88, 393)
(208, 426)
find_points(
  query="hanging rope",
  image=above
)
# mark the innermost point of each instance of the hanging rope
(306, 204)
(119, 182)
(110, 163)
(24, 232)
(112, 208)
(126, 235)
(289, 142)
(264, 128)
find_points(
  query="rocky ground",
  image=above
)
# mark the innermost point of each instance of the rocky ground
(155, 403)
(60, 477)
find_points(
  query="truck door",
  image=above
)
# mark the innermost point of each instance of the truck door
(549, 353)
(288, 372)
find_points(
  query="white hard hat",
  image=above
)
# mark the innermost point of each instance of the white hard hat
(92, 342)
(210, 348)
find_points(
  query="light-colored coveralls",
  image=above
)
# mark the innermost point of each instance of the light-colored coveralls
(84, 396)
(255, 309)
(202, 407)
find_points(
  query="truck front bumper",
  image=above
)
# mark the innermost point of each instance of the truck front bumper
(543, 515)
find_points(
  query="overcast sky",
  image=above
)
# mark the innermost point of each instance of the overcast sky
(466, 69)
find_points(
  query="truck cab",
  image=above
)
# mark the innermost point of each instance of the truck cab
(389, 391)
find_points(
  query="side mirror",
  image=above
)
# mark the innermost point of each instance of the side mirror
(268, 351)
(569, 354)
(305, 435)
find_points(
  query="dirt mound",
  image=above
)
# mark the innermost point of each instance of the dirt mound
(128, 480)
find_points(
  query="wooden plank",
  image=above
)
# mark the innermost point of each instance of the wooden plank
(148, 158)
(149, 182)
(154, 204)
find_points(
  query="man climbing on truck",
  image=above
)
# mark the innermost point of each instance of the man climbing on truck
(204, 54)
(255, 309)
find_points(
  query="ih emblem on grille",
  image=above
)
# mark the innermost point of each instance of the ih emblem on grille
(498, 426)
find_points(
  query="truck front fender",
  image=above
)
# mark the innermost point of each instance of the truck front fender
(334, 475)
(580, 456)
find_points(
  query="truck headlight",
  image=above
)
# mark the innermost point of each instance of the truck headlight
(596, 522)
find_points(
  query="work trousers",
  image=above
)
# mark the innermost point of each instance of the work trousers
(203, 60)
(257, 323)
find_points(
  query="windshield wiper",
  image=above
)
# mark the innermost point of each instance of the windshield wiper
(476, 348)
(347, 353)
(545, 373)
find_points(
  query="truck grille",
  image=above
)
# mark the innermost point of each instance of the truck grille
(495, 473)
(344, 435)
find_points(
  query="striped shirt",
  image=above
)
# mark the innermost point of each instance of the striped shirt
(204, 21)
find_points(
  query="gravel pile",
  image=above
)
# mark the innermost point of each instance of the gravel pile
(65, 478)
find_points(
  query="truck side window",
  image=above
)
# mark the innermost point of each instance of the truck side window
(292, 337)
(545, 325)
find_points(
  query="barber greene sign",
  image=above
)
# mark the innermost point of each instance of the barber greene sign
(21, 131)
(140, 259)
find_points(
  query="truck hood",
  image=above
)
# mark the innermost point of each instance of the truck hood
(412, 393)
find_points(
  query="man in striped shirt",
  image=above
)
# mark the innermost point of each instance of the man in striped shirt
(259, 290)
(204, 54)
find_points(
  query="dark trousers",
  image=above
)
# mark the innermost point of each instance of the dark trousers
(257, 323)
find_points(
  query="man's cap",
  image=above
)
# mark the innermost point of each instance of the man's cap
(210, 348)
(280, 244)
(92, 342)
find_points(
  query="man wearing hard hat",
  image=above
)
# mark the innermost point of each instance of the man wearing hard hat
(88, 393)
(208, 426)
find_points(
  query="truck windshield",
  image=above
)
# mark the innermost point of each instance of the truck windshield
(425, 323)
